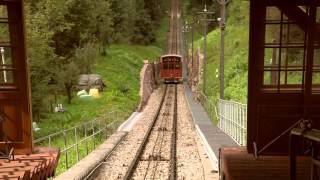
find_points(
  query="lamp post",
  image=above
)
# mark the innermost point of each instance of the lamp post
(206, 19)
(3, 64)
(223, 4)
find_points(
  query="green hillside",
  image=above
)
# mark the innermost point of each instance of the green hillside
(236, 54)
(120, 72)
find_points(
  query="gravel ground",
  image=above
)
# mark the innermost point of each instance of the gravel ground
(161, 173)
(189, 165)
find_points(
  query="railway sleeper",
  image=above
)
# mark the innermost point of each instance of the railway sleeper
(166, 114)
(156, 157)
(162, 129)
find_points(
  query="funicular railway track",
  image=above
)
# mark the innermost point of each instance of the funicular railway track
(156, 157)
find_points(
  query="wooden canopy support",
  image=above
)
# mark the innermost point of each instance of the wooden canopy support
(15, 108)
(277, 107)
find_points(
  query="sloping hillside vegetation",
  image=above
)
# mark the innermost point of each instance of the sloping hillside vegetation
(73, 37)
(120, 71)
(236, 53)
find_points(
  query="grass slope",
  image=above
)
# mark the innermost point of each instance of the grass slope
(120, 71)
(236, 54)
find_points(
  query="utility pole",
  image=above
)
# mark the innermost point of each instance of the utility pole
(185, 30)
(223, 4)
(192, 39)
(205, 13)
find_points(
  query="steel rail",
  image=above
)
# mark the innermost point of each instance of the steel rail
(134, 163)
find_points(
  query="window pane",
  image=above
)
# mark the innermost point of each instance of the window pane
(4, 32)
(316, 59)
(292, 57)
(270, 78)
(273, 13)
(318, 14)
(316, 78)
(5, 56)
(271, 57)
(272, 34)
(6, 77)
(294, 77)
(292, 33)
(3, 11)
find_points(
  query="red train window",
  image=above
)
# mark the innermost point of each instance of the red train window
(165, 65)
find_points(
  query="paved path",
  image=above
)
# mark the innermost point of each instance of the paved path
(214, 136)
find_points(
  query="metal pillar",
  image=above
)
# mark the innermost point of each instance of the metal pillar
(205, 13)
(3, 64)
(223, 4)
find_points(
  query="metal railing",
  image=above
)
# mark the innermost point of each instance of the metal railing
(233, 120)
(210, 106)
(78, 141)
(231, 116)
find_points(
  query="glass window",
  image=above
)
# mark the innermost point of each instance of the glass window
(3, 11)
(284, 54)
(272, 33)
(4, 33)
(273, 13)
(318, 15)
(6, 66)
(316, 61)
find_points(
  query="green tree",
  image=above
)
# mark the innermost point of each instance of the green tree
(41, 57)
(144, 29)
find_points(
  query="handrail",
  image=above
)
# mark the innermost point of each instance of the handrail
(232, 117)
(80, 135)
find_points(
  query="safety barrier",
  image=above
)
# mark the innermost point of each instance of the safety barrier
(231, 115)
(77, 142)
(233, 120)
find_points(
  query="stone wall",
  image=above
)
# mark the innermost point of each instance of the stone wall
(147, 83)
(195, 72)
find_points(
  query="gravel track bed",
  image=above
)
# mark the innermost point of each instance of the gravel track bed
(159, 150)
(158, 147)
(189, 165)
(165, 120)
(160, 170)
(117, 164)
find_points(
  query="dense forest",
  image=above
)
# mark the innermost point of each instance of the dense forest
(65, 36)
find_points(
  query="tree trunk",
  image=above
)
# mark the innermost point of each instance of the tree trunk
(68, 87)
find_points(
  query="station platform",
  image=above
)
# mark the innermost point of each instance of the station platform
(211, 134)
